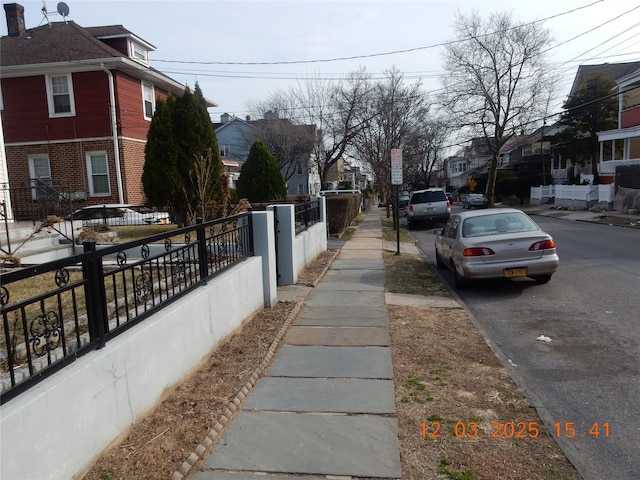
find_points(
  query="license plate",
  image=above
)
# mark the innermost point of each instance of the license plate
(515, 272)
(430, 209)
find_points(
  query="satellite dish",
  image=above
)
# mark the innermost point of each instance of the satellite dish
(63, 9)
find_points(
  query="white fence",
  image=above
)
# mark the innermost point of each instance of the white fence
(580, 196)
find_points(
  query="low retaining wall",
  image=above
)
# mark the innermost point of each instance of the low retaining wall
(57, 428)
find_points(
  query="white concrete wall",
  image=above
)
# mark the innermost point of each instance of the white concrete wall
(296, 251)
(55, 429)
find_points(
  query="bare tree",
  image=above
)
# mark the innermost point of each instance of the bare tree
(424, 153)
(291, 143)
(396, 117)
(496, 81)
(336, 109)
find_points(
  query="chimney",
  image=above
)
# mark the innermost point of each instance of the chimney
(15, 19)
(225, 118)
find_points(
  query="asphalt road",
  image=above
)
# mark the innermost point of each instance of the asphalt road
(585, 383)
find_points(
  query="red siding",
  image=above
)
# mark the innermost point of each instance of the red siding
(26, 114)
(630, 117)
(130, 107)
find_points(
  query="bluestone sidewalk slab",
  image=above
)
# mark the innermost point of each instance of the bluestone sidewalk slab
(363, 278)
(338, 336)
(319, 298)
(332, 362)
(420, 301)
(218, 475)
(357, 446)
(362, 264)
(338, 395)
(366, 243)
(335, 316)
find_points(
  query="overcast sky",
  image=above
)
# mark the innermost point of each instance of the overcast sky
(190, 36)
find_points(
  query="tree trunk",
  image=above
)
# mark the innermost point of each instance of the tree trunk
(490, 191)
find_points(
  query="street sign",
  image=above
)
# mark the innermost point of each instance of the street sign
(396, 166)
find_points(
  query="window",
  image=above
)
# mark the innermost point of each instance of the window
(300, 188)
(148, 99)
(60, 96)
(39, 174)
(98, 172)
(139, 52)
(225, 151)
(299, 169)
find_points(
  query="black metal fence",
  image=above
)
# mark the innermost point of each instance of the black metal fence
(307, 214)
(58, 311)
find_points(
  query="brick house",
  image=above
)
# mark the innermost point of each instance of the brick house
(76, 106)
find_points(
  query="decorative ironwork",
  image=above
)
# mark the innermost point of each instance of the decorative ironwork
(46, 332)
(62, 277)
(4, 296)
(144, 251)
(143, 287)
(147, 284)
(178, 272)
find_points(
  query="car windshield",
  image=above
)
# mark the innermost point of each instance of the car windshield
(495, 224)
(427, 197)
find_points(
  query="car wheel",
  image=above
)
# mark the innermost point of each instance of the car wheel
(440, 264)
(541, 279)
(459, 282)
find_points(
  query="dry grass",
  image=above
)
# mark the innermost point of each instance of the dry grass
(450, 386)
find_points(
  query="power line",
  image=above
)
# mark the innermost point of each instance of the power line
(382, 54)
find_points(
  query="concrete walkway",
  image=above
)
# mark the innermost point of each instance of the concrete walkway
(326, 404)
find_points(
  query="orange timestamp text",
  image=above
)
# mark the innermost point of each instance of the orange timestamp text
(502, 430)
(581, 430)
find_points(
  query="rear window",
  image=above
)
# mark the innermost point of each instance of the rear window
(497, 224)
(428, 197)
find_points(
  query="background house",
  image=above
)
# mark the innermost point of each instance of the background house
(291, 145)
(620, 148)
(76, 108)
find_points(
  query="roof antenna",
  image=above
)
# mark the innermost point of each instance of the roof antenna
(62, 9)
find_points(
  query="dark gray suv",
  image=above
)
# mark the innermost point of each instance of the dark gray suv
(430, 205)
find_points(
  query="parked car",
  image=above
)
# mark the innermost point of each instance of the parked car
(403, 201)
(430, 205)
(118, 214)
(495, 243)
(474, 200)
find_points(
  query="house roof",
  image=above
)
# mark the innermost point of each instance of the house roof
(612, 70)
(60, 42)
(66, 46)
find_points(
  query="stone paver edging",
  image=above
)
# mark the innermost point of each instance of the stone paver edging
(234, 405)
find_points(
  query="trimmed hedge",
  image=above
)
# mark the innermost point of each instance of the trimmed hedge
(342, 210)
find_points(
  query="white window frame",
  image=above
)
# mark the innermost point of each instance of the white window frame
(139, 53)
(50, 95)
(146, 100)
(32, 159)
(225, 150)
(91, 174)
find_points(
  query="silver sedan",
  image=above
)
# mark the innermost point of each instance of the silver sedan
(495, 243)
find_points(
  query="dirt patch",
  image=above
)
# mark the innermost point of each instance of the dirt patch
(459, 414)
